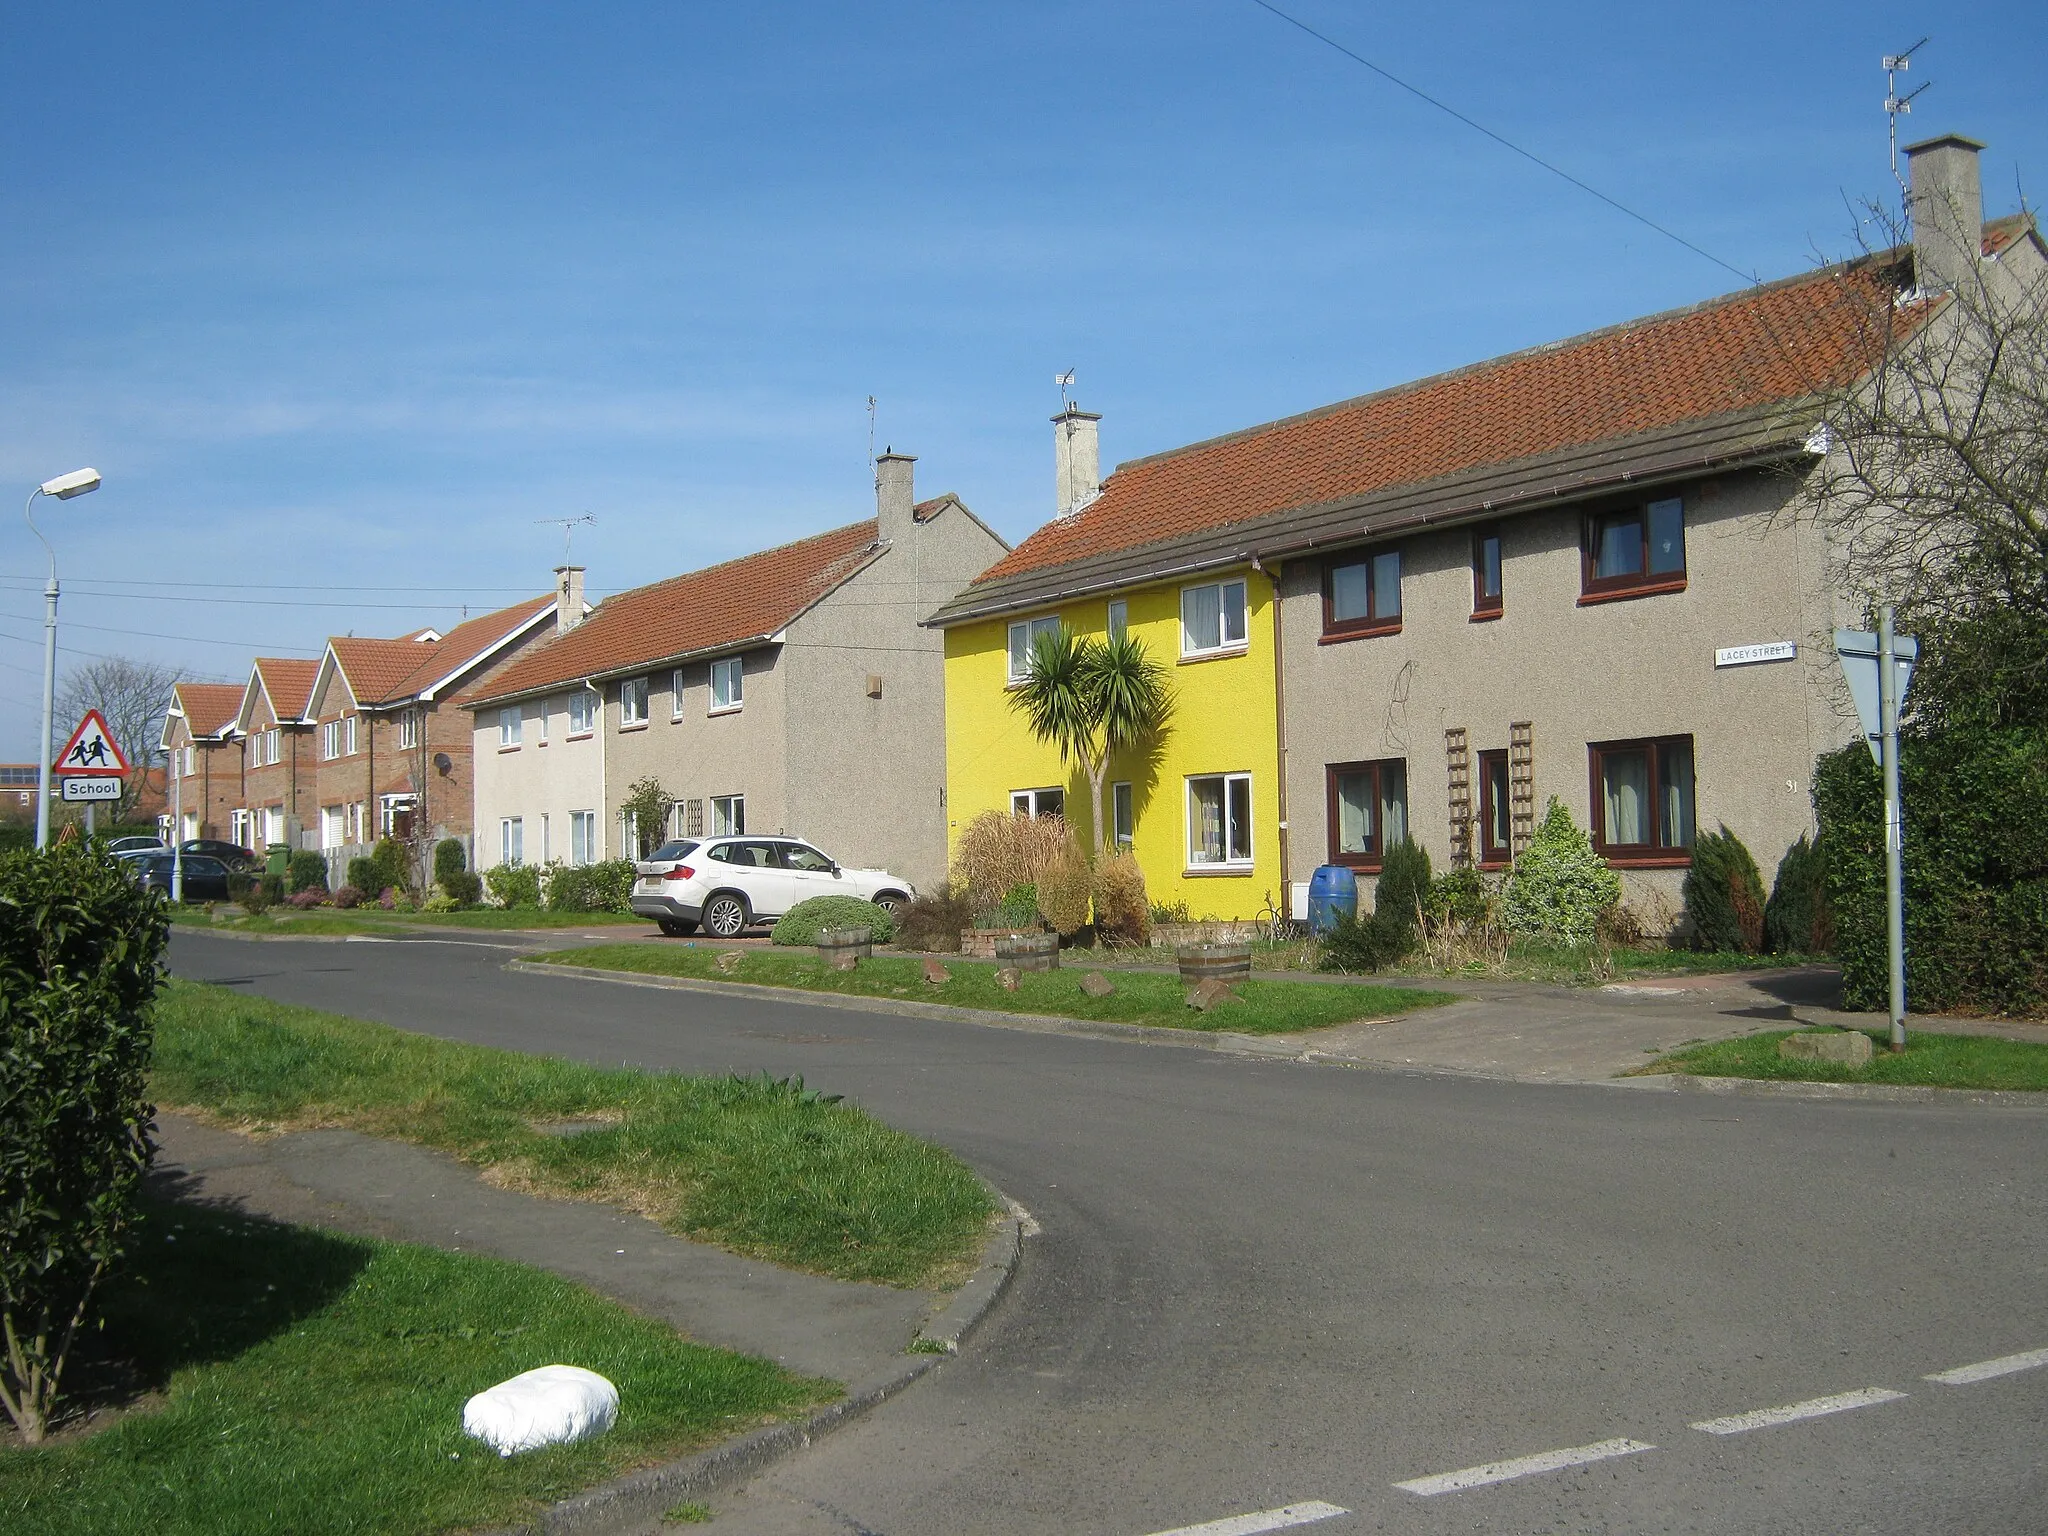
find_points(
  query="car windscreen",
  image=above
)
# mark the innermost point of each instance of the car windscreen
(680, 849)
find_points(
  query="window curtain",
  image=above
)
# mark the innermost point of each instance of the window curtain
(1625, 786)
(1675, 822)
(1240, 819)
(1205, 800)
(1349, 593)
(1354, 813)
(1386, 585)
(1621, 548)
(1201, 615)
(1394, 803)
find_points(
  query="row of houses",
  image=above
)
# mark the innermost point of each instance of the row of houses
(1570, 572)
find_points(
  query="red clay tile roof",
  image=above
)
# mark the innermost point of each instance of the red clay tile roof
(209, 707)
(1748, 350)
(384, 671)
(697, 611)
(289, 682)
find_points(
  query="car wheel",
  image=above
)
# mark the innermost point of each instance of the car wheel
(892, 902)
(676, 927)
(726, 915)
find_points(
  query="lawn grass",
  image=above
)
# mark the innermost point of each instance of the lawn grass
(335, 920)
(1929, 1060)
(314, 1383)
(1262, 1007)
(759, 1167)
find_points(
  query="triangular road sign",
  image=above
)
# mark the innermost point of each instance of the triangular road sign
(91, 749)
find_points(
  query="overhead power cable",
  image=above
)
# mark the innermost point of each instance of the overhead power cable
(1505, 143)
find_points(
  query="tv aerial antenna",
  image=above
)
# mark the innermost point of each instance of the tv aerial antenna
(1897, 106)
(1065, 381)
(871, 431)
(568, 525)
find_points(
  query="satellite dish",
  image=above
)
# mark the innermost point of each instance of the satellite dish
(443, 762)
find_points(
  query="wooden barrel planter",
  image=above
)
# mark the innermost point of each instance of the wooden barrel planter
(844, 948)
(1215, 962)
(1029, 951)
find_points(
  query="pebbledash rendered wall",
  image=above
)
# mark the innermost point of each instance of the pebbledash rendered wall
(1606, 671)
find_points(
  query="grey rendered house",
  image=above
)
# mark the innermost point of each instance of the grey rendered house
(789, 691)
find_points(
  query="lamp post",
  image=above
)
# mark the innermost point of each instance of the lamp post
(63, 488)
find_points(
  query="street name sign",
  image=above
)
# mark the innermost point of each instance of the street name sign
(1750, 655)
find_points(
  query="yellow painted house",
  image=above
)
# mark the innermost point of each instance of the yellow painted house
(1201, 809)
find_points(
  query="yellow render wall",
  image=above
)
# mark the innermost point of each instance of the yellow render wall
(1223, 722)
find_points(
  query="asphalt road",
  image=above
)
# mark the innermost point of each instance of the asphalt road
(1262, 1284)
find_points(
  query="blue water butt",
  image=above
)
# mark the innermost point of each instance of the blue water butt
(1331, 889)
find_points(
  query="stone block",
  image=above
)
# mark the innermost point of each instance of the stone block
(1846, 1048)
(845, 960)
(1210, 994)
(1095, 984)
(935, 974)
(1006, 978)
(728, 961)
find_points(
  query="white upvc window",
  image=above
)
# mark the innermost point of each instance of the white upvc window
(728, 815)
(1034, 803)
(332, 831)
(355, 819)
(191, 761)
(1212, 618)
(582, 711)
(675, 694)
(1123, 819)
(408, 730)
(349, 736)
(273, 824)
(583, 847)
(1220, 821)
(238, 828)
(330, 742)
(1119, 617)
(1023, 636)
(726, 684)
(510, 721)
(632, 702)
(511, 840)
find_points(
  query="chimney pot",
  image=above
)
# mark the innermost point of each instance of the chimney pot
(568, 598)
(895, 500)
(1076, 460)
(1947, 204)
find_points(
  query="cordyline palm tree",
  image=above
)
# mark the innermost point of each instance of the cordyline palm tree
(1092, 699)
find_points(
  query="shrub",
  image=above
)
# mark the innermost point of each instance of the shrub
(1559, 884)
(603, 887)
(802, 922)
(1170, 912)
(513, 885)
(1017, 909)
(1066, 890)
(307, 871)
(258, 893)
(389, 900)
(1459, 897)
(448, 859)
(364, 875)
(1724, 895)
(998, 852)
(1797, 918)
(1368, 944)
(306, 898)
(394, 864)
(463, 888)
(1402, 894)
(933, 921)
(81, 956)
(348, 896)
(440, 901)
(1122, 915)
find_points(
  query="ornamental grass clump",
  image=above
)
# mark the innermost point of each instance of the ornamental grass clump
(1724, 895)
(81, 957)
(1066, 890)
(1122, 914)
(1559, 885)
(998, 852)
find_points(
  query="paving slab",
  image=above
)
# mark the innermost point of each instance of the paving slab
(362, 1184)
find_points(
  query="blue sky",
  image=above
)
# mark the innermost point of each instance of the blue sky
(342, 301)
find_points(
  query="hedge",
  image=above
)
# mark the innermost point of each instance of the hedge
(601, 887)
(1976, 869)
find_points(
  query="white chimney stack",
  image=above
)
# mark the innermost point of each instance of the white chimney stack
(895, 500)
(1947, 201)
(1076, 460)
(568, 598)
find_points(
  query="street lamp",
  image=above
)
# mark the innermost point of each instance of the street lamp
(63, 488)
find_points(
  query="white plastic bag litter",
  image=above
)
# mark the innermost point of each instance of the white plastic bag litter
(554, 1405)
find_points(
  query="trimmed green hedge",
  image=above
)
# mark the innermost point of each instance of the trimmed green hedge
(601, 887)
(1976, 869)
(800, 925)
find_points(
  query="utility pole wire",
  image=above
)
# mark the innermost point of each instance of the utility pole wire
(1507, 144)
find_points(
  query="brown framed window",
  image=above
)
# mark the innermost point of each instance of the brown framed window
(1486, 584)
(1643, 800)
(1362, 595)
(1496, 823)
(1633, 551)
(1368, 810)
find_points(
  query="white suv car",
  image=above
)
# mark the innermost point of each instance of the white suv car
(726, 883)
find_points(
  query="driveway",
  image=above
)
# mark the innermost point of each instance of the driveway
(1266, 1285)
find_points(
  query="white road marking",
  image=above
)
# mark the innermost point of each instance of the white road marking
(1813, 1408)
(1264, 1520)
(1984, 1370)
(1521, 1466)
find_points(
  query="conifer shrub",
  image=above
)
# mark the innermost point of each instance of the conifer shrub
(306, 871)
(802, 923)
(365, 876)
(463, 887)
(1066, 889)
(1724, 895)
(1122, 914)
(394, 864)
(1797, 918)
(1559, 885)
(448, 860)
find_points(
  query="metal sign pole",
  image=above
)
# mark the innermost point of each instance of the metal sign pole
(1894, 877)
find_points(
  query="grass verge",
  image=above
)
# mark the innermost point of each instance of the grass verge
(1262, 1007)
(1928, 1061)
(331, 920)
(314, 1383)
(757, 1166)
